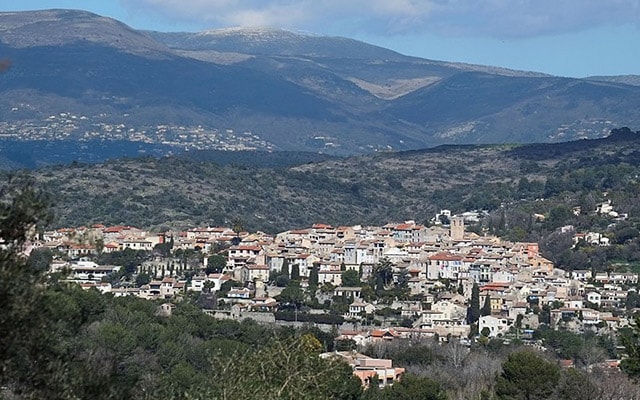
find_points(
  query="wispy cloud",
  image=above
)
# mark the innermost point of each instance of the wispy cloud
(492, 18)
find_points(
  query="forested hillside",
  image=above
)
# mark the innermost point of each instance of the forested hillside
(517, 180)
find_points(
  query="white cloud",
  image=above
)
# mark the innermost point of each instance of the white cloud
(495, 18)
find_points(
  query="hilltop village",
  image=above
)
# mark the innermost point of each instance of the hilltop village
(404, 280)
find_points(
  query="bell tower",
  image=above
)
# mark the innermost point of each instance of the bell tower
(457, 228)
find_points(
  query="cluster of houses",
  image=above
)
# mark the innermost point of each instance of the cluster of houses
(65, 125)
(439, 266)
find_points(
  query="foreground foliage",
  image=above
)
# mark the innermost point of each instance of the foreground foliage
(62, 342)
(118, 348)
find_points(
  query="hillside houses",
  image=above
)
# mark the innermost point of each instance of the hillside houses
(437, 265)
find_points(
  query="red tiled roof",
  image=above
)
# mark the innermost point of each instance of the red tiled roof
(248, 248)
(385, 332)
(258, 267)
(444, 256)
(322, 226)
(114, 229)
(403, 227)
(566, 363)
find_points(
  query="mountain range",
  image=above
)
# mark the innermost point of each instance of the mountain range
(78, 77)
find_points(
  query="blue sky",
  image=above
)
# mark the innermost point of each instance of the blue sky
(574, 38)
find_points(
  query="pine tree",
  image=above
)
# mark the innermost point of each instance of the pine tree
(526, 375)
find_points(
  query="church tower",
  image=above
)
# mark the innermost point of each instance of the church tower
(457, 228)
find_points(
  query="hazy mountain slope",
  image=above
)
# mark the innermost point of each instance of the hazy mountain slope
(493, 109)
(137, 81)
(626, 79)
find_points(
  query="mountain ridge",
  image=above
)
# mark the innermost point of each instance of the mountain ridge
(286, 91)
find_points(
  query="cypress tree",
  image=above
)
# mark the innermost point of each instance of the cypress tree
(474, 305)
(313, 275)
(486, 307)
(295, 272)
(285, 268)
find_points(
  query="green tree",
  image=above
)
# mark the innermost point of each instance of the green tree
(164, 249)
(128, 258)
(559, 216)
(632, 300)
(345, 345)
(281, 280)
(40, 259)
(25, 365)
(527, 376)
(412, 387)
(142, 279)
(382, 274)
(227, 286)
(292, 294)
(351, 278)
(284, 369)
(215, 263)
